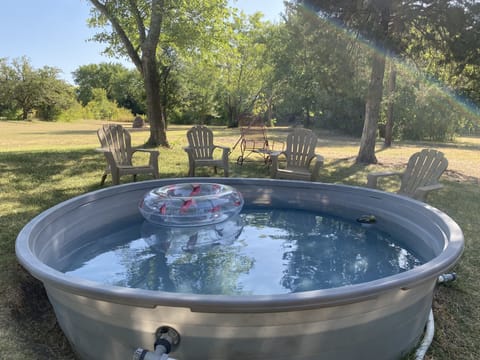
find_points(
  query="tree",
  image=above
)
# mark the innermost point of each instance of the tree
(7, 74)
(56, 96)
(243, 67)
(318, 72)
(389, 24)
(122, 85)
(136, 29)
(25, 86)
(198, 82)
(392, 79)
(26, 89)
(370, 19)
(146, 31)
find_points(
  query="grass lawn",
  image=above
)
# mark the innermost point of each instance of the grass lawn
(42, 164)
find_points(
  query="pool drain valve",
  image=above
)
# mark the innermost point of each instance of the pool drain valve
(167, 339)
(444, 278)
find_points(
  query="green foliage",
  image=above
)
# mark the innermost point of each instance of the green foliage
(425, 110)
(75, 112)
(216, 65)
(25, 90)
(246, 69)
(321, 74)
(157, 35)
(100, 108)
(58, 96)
(122, 85)
(434, 118)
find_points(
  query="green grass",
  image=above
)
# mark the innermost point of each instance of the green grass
(42, 164)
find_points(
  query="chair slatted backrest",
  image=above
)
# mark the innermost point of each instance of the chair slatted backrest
(423, 168)
(300, 148)
(200, 140)
(117, 140)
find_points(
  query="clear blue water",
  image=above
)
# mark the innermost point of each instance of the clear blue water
(257, 253)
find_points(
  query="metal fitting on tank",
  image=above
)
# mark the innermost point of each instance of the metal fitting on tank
(447, 277)
(167, 339)
(158, 354)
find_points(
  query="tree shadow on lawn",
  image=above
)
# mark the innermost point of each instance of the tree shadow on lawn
(32, 183)
(344, 171)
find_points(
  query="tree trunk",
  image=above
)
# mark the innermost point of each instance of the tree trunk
(155, 113)
(269, 111)
(366, 154)
(164, 93)
(308, 119)
(146, 63)
(391, 94)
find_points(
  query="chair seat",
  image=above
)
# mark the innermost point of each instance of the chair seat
(293, 174)
(130, 169)
(207, 162)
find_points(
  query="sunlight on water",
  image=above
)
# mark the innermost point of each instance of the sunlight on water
(255, 253)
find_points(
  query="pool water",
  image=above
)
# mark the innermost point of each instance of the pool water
(261, 252)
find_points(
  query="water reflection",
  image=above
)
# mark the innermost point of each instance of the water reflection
(176, 240)
(257, 252)
(197, 260)
(336, 253)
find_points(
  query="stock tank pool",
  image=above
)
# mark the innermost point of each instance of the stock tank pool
(220, 295)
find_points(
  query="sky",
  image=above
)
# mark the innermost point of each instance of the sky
(55, 32)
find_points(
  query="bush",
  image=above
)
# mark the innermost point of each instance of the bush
(100, 108)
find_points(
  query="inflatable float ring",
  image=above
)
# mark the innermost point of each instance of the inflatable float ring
(190, 204)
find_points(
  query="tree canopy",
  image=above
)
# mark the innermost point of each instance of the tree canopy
(25, 89)
(351, 66)
(151, 33)
(391, 25)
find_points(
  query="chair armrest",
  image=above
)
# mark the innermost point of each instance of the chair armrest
(222, 147)
(225, 151)
(147, 151)
(372, 178)
(153, 159)
(422, 191)
(153, 154)
(318, 163)
(274, 155)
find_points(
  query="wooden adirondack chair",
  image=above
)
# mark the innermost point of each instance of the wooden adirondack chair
(421, 176)
(117, 147)
(299, 153)
(201, 150)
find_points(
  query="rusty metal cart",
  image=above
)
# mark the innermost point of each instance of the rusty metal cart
(254, 140)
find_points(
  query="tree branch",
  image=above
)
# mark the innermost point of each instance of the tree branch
(138, 19)
(156, 22)
(102, 7)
